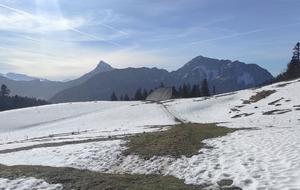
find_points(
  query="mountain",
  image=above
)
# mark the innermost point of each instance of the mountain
(18, 77)
(101, 68)
(225, 75)
(121, 81)
(45, 89)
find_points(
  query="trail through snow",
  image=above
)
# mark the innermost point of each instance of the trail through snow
(263, 157)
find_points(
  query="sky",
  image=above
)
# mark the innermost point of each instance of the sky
(61, 39)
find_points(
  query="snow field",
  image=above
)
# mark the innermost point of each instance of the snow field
(90, 119)
(263, 157)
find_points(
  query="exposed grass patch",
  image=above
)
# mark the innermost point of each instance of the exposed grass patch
(276, 112)
(276, 101)
(283, 85)
(182, 139)
(259, 96)
(241, 115)
(72, 178)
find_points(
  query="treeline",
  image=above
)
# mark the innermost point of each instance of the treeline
(293, 68)
(15, 102)
(185, 91)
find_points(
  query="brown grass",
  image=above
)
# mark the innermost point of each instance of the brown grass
(182, 139)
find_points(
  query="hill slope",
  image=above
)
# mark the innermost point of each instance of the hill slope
(264, 157)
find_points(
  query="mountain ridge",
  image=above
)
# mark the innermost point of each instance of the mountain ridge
(226, 75)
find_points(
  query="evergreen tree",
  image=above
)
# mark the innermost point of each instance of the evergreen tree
(205, 88)
(198, 90)
(180, 90)
(138, 95)
(292, 70)
(214, 90)
(150, 91)
(4, 92)
(113, 97)
(188, 90)
(121, 98)
(194, 91)
(293, 67)
(296, 53)
(145, 94)
(184, 91)
(126, 98)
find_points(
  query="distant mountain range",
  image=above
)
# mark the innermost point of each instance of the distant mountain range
(98, 84)
(45, 89)
(18, 77)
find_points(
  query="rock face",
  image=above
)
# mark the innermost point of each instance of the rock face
(225, 75)
(102, 67)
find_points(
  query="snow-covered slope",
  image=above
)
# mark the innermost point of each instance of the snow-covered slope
(263, 157)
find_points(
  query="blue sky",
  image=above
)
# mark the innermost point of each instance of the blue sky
(59, 39)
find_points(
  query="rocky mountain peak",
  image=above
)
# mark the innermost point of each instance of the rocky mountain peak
(103, 67)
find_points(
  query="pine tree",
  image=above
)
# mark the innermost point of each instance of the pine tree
(4, 92)
(214, 90)
(180, 90)
(296, 53)
(150, 91)
(205, 88)
(126, 98)
(188, 90)
(113, 97)
(184, 91)
(293, 67)
(145, 94)
(121, 98)
(292, 70)
(138, 95)
(194, 91)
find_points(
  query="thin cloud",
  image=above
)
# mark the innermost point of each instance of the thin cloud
(241, 34)
(9, 49)
(16, 10)
(113, 29)
(70, 28)
(30, 38)
(93, 36)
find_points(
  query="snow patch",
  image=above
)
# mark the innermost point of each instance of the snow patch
(246, 78)
(209, 74)
(27, 183)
